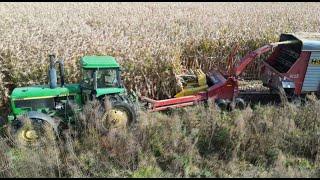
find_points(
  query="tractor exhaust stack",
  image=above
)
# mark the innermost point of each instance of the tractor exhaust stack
(53, 72)
(61, 69)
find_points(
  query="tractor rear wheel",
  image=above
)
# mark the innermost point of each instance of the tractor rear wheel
(121, 115)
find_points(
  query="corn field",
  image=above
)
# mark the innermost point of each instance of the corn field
(152, 41)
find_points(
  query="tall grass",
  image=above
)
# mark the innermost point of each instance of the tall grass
(201, 141)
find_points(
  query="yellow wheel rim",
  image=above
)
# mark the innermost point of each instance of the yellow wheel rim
(117, 118)
(28, 135)
(33, 134)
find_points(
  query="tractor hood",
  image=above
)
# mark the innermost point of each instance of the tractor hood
(33, 92)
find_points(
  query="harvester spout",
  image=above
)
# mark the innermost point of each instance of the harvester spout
(251, 56)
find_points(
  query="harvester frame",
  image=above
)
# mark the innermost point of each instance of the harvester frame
(225, 91)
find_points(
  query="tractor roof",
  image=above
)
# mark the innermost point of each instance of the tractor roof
(99, 62)
(310, 41)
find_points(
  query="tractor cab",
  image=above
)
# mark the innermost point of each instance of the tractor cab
(101, 76)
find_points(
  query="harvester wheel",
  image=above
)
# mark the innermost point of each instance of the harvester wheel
(121, 115)
(31, 132)
(283, 95)
(297, 100)
(240, 104)
(222, 104)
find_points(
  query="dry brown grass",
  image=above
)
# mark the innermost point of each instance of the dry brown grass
(192, 142)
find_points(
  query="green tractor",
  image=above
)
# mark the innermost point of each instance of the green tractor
(52, 105)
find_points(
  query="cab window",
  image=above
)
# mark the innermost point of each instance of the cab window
(107, 78)
(88, 78)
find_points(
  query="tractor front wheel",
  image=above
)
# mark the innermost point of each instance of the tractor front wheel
(31, 132)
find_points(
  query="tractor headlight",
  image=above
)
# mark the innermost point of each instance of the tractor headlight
(58, 106)
(10, 118)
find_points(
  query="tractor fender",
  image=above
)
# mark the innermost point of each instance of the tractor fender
(38, 115)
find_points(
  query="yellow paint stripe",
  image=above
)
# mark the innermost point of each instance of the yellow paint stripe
(43, 97)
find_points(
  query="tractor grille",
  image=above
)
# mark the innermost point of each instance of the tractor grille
(35, 103)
